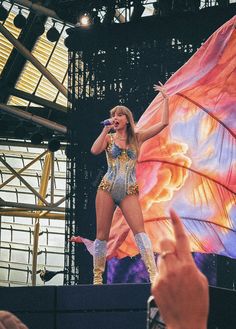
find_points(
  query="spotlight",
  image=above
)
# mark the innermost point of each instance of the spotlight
(54, 145)
(19, 21)
(3, 13)
(36, 139)
(85, 20)
(53, 34)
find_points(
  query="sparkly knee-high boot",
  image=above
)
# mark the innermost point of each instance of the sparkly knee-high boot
(99, 260)
(145, 247)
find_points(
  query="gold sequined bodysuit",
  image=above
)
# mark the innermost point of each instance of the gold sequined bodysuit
(120, 178)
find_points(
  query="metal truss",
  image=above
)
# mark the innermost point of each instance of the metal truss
(71, 266)
(45, 206)
(123, 9)
(126, 74)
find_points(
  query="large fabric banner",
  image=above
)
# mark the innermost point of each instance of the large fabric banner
(191, 165)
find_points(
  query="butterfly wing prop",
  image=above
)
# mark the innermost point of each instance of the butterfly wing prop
(190, 166)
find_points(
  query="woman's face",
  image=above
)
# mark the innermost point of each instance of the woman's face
(119, 120)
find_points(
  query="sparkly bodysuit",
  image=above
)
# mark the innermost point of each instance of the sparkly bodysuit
(120, 179)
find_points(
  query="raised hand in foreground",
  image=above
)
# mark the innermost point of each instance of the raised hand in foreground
(180, 290)
(10, 321)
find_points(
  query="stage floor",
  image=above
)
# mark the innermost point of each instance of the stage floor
(117, 306)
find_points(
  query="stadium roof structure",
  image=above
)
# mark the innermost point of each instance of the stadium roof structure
(34, 58)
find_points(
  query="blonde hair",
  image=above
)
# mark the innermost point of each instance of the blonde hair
(131, 136)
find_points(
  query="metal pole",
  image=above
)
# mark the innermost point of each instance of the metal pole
(35, 251)
(34, 118)
(52, 177)
(36, 99)
(42, 191)
(28, 214)
(26, 206)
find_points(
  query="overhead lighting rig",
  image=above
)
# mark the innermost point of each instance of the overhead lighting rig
(20, 20)
(53, 34)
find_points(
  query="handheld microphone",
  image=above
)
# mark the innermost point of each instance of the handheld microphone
(106, 122)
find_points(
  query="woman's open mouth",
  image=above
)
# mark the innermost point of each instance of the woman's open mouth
(116, 124)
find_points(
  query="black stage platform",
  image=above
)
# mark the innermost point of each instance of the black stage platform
(117, 306)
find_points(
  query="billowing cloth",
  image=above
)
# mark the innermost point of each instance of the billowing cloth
(190, 166)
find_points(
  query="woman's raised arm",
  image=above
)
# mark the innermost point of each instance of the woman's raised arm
(143, 135)
(101, 142)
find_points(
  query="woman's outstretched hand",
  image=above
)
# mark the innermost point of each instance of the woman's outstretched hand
(161, 89)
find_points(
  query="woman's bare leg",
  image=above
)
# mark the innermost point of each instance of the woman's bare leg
(104, 211)
(133, 214)
(105, 207)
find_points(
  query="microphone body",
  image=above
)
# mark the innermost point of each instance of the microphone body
(106, 122)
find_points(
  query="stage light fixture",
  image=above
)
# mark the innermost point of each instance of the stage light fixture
(53, 34)
(54, 145)
(137, 11)
(20, 21)
(3, 13)
(39, 27)
(85, 19)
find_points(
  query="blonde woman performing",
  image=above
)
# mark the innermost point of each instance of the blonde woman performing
(118, 187)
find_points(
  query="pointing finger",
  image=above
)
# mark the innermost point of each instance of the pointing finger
(182, 242)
